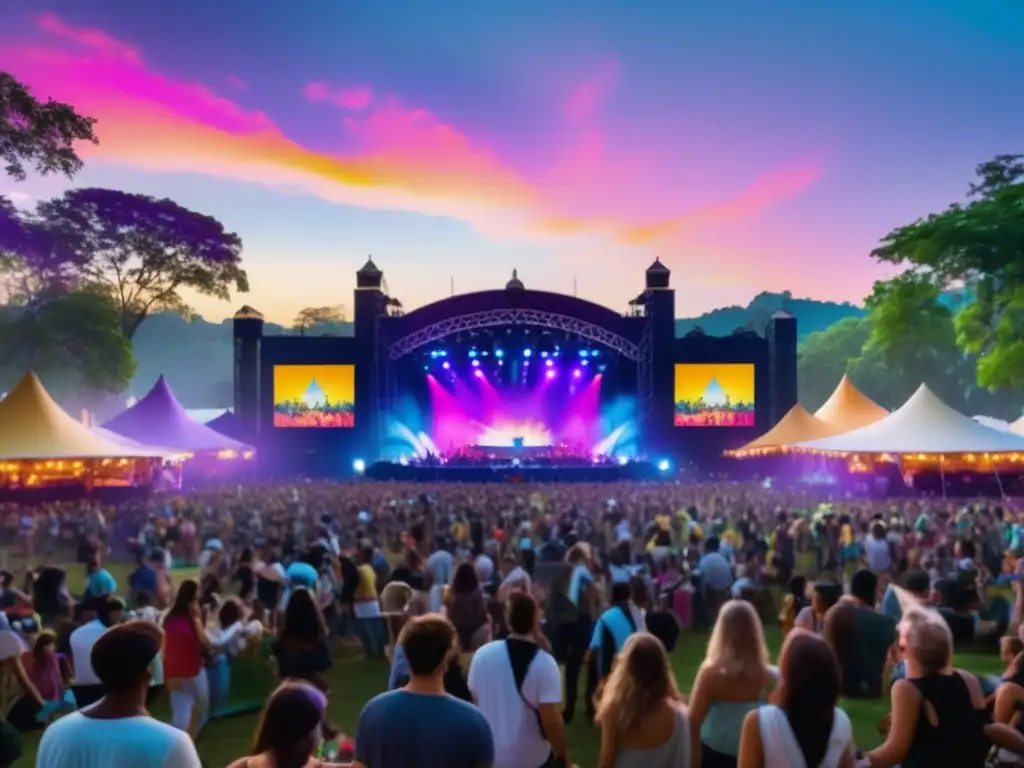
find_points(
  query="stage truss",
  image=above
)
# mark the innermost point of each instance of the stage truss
(502, 317)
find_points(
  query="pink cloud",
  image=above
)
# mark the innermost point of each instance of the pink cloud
(236, 82)
(589, 96)
(356, 98)
(89, 38)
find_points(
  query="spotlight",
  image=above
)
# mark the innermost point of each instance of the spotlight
(594, 353)
(476, 363)
(664, 465)
(577, 373)
(434, 354)
(445, 365)
(501, 362)
(550, 373)
(602, 368)
(472, 353)
(404, 461)
(359, 466)
(426, 367)
(478, 373)
(527, 352)
(543, 354)
(584, 353)
(585, 362)
(623, 461)
(498, 353)
(549, 363)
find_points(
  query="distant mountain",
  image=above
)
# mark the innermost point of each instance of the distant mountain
(811, 315)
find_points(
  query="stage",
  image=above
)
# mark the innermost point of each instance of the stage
(635, 471)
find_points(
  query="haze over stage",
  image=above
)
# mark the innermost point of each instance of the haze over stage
(552, 395)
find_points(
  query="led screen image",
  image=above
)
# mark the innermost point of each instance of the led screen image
(714, 395)
(321, 396)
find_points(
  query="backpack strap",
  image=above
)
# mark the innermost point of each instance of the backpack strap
(628, 615)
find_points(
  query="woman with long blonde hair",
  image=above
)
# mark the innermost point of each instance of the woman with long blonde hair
(644, 723)
(734, 680)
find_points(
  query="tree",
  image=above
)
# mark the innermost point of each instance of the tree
(75, 337)
(823, 357)
(313, 316)
(37, 134)
(978, 245)
(144, 251)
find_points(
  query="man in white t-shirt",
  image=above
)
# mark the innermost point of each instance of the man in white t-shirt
(518, 688)
(116, 732)
(514, 577)
(86, 685)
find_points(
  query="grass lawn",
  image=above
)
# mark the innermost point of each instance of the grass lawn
(354, 681)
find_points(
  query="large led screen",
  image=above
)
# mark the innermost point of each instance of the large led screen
(315, 396)
(714, 395)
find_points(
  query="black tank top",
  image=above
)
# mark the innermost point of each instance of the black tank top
(958, 739)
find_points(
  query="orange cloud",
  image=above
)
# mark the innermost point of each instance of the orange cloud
(397, 157)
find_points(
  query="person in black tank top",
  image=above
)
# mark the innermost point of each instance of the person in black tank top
(939, 717)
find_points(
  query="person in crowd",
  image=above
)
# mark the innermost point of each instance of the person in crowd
(50, 596)
(16, 662)
(98, 581)
(411, 571)
(915, 581)
(366, 607)
(101, 614)
(716, 577)
(49, 678)
(613, 628)
(803, 727)
(288, 733)
(1008, 700)
(440, 566)
(878, 554)
(244, 576)
(643, 721)
(184, 659)
(513, 577)
(938, 713)
(733, 680)
(571, 624)
(518, 688)
(420, 724)
(466, 607)
(874, 636)
(839, 631)
(824, 594)
(793, 603)
(301, 649)
(117, 731)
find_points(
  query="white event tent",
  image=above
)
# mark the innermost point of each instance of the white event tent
(923, 425)
(1018, 426)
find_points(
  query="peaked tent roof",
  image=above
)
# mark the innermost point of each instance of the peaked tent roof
(797, 426)
(127, 442)
(926, 425)
(848, 408)
(1018, 426)
(33, 426)
(159, 419)
(228, 424)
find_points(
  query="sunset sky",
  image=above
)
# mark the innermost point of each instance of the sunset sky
(337, 381)
(752, 145)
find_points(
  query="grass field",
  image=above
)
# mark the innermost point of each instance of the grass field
(354, 681)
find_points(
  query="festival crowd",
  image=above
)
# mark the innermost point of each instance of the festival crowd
(492, 604)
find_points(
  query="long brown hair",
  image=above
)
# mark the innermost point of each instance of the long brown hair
(287, 723)
(641, 678)
(808, 691)
(188, 592)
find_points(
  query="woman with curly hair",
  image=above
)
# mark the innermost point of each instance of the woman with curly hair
(644, 723)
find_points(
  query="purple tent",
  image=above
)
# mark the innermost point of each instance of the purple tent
(159, 419)
(228, 425)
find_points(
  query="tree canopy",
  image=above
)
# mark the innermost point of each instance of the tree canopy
(313, 316)
(978, 245)
(144, 250)
(39, 135)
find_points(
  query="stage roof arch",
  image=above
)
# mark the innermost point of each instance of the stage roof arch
(848, 408)
(33, 426)
(516, 306)
(159, 419)
(923, 425)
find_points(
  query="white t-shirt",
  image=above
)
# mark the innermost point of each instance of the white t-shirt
(517, 576)
(82, 640)
(517, 738)
(77, 741)
(879, 555)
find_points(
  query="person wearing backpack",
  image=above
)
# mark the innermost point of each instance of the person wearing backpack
(518, 688)
(613, 629)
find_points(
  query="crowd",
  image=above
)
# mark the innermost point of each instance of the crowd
(493, 603)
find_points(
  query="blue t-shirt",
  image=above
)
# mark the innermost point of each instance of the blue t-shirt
(399, 729)
(581, 579)
(615, 621)
(100, 584)
(143, 579)
(891, 604)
